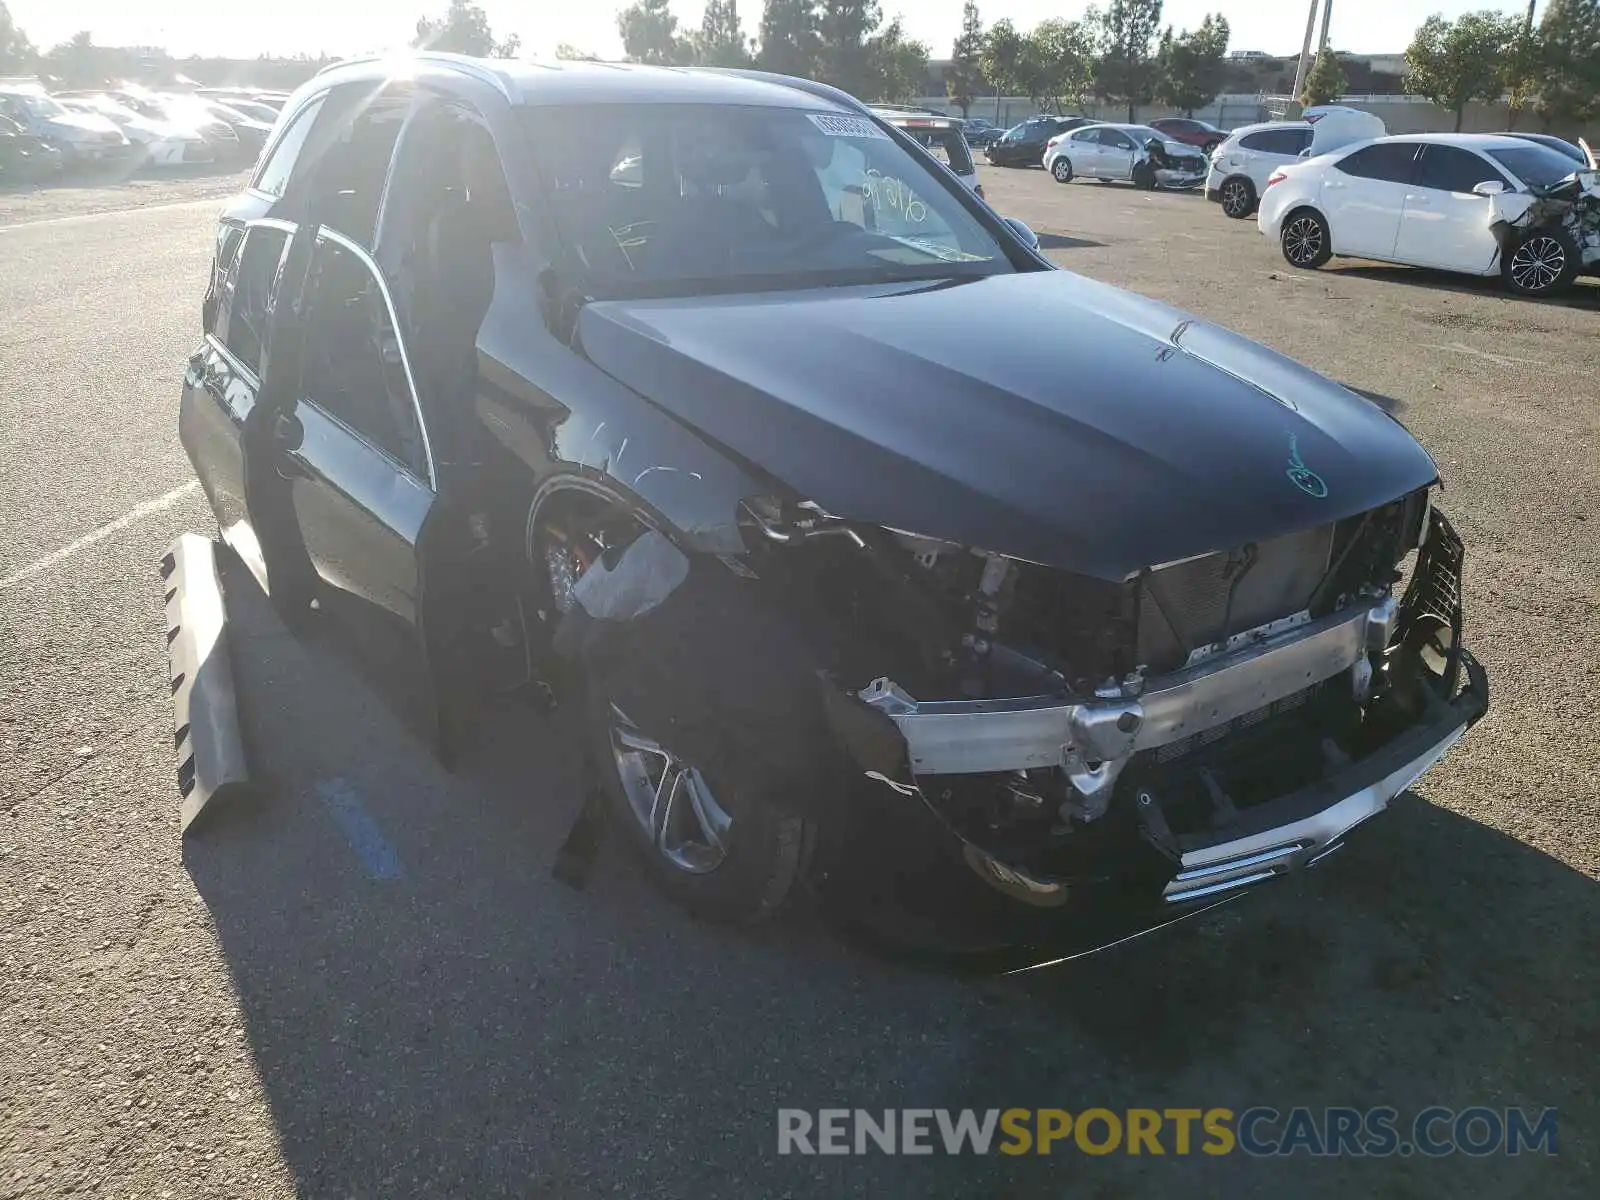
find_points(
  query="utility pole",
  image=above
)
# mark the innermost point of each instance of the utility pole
(1305, 54)
(1327, 13)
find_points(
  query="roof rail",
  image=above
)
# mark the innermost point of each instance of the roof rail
(474, 67)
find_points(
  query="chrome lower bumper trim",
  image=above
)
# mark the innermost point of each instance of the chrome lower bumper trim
(1226, 866)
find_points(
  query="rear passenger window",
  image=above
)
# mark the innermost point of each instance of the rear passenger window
(1451, 169)
(1388, 161)
(274, 174)
(247, 303)
(354, 367)
(1277, 141)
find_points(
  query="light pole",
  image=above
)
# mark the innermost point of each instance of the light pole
(1305, 54)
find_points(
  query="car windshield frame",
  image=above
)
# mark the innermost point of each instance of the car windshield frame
(781, 250)
(1530, 153)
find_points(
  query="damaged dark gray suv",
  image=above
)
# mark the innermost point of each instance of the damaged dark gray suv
(884, 561)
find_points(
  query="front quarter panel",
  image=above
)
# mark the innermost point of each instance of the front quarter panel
(572, 424)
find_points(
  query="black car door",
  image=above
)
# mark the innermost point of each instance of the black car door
(225, 404)
(351, 438)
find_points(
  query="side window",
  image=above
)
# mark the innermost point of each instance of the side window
(1088, 136)
(1388, 161)
(1277, 141)
(354, 367)
(1451, 169)
(274, 173)
(1116, 139)
(247, 294)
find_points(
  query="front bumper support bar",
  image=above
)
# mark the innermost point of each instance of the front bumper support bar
(960, 737)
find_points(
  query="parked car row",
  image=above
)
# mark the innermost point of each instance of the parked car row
(46, 134)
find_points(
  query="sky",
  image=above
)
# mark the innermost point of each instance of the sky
(245, 28)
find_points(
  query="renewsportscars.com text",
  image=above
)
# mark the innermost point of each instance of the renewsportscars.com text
(1258, 1131)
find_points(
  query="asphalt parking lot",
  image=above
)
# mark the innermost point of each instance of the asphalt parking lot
(367, 983)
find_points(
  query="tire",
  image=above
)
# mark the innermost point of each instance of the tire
(1061, 169)
(1238, 197)
(717, 849)
(1305, 239)
(1144, 177)
(709, 835)
(1542, 264)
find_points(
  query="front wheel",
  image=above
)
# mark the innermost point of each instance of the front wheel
(1305, 240)
(713, 836)
(1238, 197)
(1061, 169)
(719, 850)
(1144, 177)
(1542, 264)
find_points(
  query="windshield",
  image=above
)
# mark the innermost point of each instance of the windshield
(1144, 133)
(1537, 166)
(673, 198)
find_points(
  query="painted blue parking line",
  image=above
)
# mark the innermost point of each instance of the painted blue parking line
(377, 855)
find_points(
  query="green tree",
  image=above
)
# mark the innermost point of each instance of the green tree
(650, 34)
(1569, 54)
(789, 40)
(567, 52)
(965, 75)
(463, 29)
(899, 64)
(16, 51)
(1058, 64)
(1326, 81)
(1002, 57)
(1191, 64)
(1125, 32)
(845, 32)
(721, 41)
(79, 63)
(1455, 62)
(1521, 69)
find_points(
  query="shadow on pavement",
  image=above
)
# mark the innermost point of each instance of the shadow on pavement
(1584, 294)
(1060, 241)
(449, 1020)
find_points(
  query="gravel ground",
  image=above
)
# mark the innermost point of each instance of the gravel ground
(250, 1014)
(82, 195)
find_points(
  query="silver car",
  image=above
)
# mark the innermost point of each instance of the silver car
(1135, 154)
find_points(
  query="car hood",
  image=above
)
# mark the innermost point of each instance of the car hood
(79, 124)
(1040, 415)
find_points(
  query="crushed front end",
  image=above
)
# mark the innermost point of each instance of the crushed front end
(1206, 725)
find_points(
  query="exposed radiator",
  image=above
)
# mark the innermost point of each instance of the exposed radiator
(1204, 600)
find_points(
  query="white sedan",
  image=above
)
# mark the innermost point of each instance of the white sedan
(1480, 204)
(160, 143)
(1134, 153)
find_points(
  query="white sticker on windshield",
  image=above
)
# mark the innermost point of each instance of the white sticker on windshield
(839, 125)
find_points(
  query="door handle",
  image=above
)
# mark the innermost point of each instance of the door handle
(288, 432)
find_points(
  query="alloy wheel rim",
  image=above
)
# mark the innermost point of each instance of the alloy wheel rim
(670, 800)
(1061, 170)
(1538, 263)
(1303, 240)
(1233, 199)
